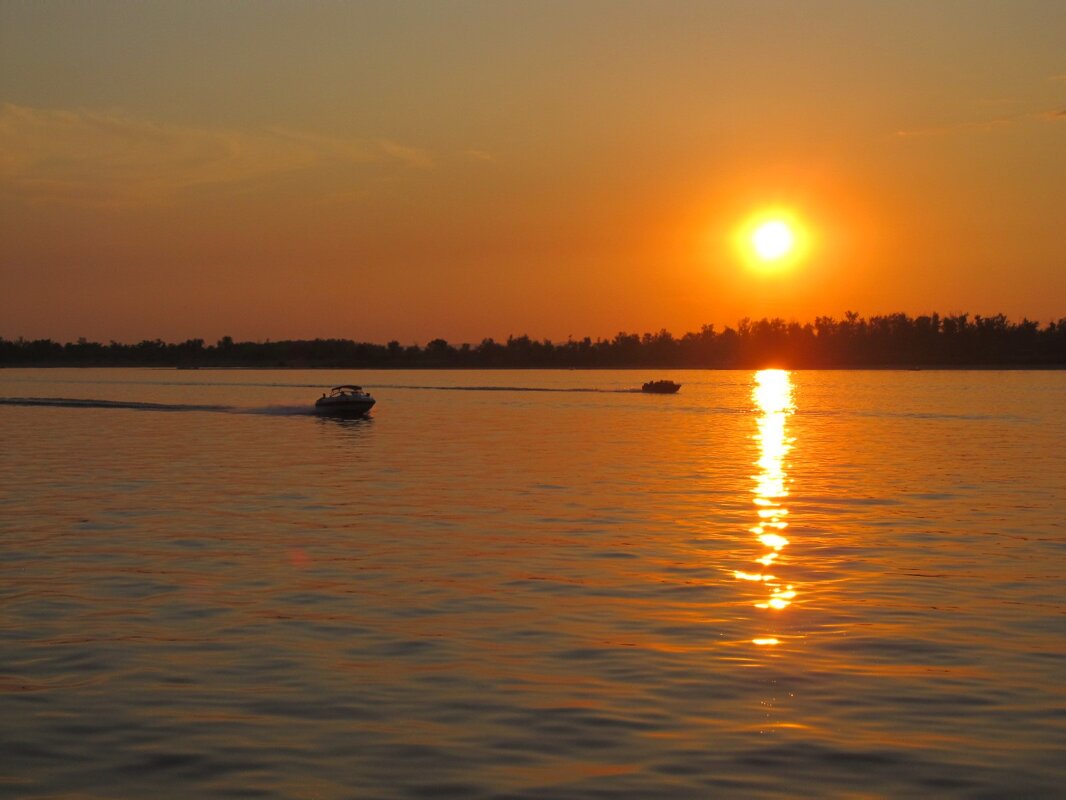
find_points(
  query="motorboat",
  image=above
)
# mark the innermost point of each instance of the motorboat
(660, 387)
(345, 401)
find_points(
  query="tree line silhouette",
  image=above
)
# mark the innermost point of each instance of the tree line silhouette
(893, 340)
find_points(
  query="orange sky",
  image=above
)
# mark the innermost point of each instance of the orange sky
(405, 171)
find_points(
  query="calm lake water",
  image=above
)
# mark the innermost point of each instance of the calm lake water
(816, 584)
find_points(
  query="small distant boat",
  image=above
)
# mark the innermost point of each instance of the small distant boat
(660, 387)
(345, 401)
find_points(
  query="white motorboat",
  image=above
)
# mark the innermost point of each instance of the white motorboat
(345, 401)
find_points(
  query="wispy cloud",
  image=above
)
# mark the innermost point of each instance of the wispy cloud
(412, 156)
(479, 155)
(95, 158)
(960, 127)
(979, 126)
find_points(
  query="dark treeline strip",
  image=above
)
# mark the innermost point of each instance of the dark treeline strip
(894, 340)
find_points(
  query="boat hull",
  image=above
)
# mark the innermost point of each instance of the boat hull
(346, 408)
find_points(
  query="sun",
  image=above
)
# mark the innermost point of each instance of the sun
(773, 240)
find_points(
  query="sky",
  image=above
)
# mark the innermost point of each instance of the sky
(462, 170)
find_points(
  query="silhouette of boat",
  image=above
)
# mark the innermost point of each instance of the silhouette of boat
(345, 401)
(660, 387)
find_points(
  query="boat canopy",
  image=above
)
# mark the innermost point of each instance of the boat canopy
(347, 386)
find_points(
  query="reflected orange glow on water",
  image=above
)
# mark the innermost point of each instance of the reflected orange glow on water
(773, 399)
(617, 602)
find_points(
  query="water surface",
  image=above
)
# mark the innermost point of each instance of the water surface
(772, 584)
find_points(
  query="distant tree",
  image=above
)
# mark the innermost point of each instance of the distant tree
(885, 340)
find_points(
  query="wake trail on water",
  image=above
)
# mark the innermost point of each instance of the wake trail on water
(131, 405)
(276, 411)
(505, 389)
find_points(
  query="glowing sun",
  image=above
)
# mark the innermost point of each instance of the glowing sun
(772, 240)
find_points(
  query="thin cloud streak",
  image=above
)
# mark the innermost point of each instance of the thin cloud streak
(83, 157)
(479, 155)
(978, 126)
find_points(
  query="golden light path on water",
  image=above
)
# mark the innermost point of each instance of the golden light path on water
(772, 395)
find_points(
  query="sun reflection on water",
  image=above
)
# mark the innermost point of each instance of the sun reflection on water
(773, 399)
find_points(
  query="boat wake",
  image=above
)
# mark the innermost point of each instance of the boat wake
(67, 402)
(278, 411)
(131, 405)
(503, 389)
